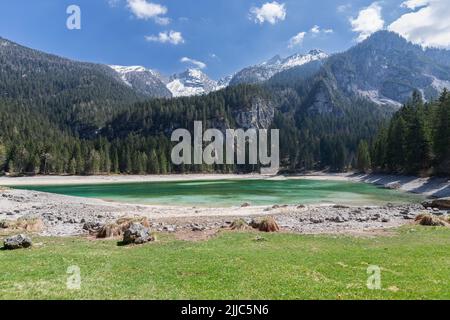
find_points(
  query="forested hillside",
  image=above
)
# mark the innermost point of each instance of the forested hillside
(72, 95)
(417, 140)
(63, 117)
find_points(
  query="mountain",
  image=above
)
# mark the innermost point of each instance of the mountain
(383, 70)
(266, 70)
(386, 69)
(144, 81)
(81, 94)
(63, 116)
(191, 82)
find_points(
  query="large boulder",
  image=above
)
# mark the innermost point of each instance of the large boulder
(442, 203)
(136, 233)
(17, 242)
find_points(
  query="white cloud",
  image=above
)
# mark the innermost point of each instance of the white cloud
(297, 39)
(315, 29)
(196, 63)
(344, 7)
(368, 21)
(173, 37)
(313, 32)
(271, 12)
(428, 26)
(164, 21)
(148, 10)
(413, 4)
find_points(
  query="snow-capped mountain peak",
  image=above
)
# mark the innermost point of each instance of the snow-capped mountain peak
(269, 68)
(191, 82)
(143, 80)
(195, 82)
(298, 59)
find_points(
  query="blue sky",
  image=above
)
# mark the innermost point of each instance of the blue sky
(224, 35)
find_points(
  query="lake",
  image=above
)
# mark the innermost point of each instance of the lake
(227, 193)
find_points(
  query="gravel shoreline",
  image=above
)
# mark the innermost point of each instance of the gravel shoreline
(66, 216)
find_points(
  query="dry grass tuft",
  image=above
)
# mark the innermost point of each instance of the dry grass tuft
(126, 221)
(110, 230)
(239, 224)
(429, 220)
(266, 225)
(24, 224)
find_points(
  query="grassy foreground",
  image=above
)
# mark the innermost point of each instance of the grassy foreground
(415, 263)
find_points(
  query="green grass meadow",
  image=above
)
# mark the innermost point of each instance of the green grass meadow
(414, 262)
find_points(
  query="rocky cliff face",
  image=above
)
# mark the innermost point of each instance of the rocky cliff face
(386, 69)
(259, 115)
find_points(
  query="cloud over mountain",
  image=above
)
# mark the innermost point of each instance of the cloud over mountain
(428, 24)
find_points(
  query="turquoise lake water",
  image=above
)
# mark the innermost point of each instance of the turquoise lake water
(226, 193)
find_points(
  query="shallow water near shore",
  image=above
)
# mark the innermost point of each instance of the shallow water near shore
(227, 193)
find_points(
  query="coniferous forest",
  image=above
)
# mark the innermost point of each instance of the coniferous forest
(137, 140)
(58, 116)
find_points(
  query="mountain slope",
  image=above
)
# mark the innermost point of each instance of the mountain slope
(144, 81)
(266, 70)
(386, 69)
(81, 95)
(190, 83)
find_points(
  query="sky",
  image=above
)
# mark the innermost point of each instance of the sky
(218, 36)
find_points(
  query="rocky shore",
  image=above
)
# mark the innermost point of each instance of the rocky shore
(66, 216)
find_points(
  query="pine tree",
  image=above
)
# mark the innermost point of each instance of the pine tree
(2, 157)
(442, 134)
(363, 157)
(72, 170)
(396, 145)
(418, 146)
(153, 163)
(163, 164)
(115, 162)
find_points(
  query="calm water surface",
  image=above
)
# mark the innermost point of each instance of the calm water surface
(224, 193)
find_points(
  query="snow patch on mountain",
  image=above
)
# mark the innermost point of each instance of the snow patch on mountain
(268, 69)
(439, 84)
(143, 80)
(374, 96)
(191, 82)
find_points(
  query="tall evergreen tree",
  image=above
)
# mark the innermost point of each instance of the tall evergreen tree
(363, 162)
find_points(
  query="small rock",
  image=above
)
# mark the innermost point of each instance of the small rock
(92, 226)
(245, 205)
(169, 228)
(317, 220)
(393, 186)
(385, 219)
(340, 206)
(196, 227)
(17, 242)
